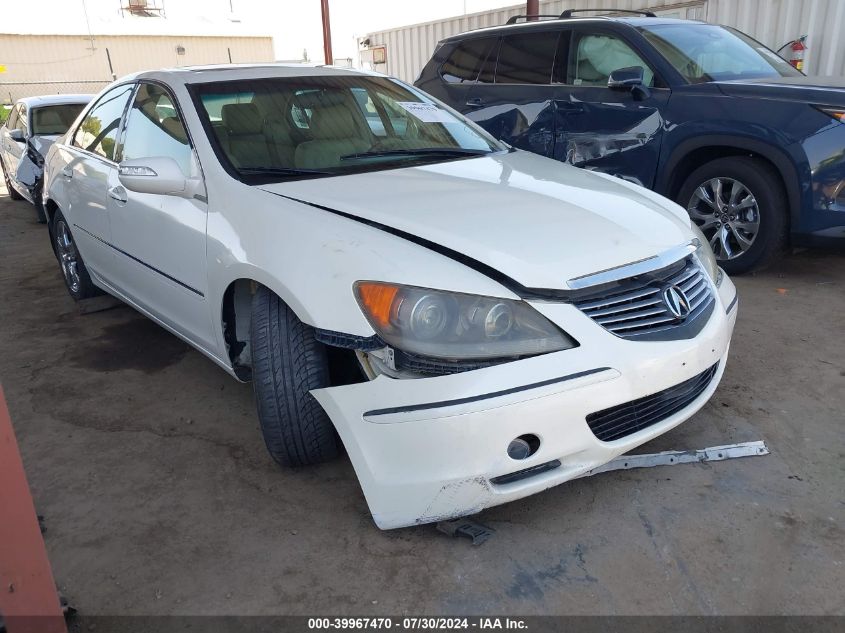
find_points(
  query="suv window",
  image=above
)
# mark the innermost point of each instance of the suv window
(465, 62)
(98, 131)
(154, 128)
(596, 55)
(527, 58)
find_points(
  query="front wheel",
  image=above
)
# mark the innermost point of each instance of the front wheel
(74, 272)
(13, 194)
(287, 364)
(740, 205)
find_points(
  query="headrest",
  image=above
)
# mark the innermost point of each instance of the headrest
(241, 118)
(334, 122)
(174, 127)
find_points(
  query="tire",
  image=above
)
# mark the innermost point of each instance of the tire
(750, 228)
(14, 195)
(287, 363)
(75, 274)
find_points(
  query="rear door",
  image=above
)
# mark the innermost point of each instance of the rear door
(614, 131)
(514, 99)
(89, 166)
(160, 239)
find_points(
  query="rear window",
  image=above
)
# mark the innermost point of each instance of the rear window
(464, 63)
(527, 58)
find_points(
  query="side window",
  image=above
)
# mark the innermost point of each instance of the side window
(596, 55)
(98, 131)
(154, 128)
(527, 58)
(465, 62)
(12, 121)
(22, 119)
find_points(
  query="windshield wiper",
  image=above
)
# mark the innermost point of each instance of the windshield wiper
(283, 171)
(421, 151)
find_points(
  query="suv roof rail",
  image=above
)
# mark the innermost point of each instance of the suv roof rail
(516, 18)
(569, 12)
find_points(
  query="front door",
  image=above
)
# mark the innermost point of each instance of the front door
(516, 102)
(618, 132)
(160, 239)
(12, 149)
(89, 164)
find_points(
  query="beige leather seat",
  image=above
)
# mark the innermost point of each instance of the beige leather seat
(243, 127)
(335, 132)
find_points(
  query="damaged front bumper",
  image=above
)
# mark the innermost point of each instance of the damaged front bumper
(435, 448)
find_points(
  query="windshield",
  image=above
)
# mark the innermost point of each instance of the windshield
(706, 52)
(300, 127)
(55, 119)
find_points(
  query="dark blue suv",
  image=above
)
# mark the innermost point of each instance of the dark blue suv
(700, 113)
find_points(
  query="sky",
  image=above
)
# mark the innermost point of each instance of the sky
(295, 25)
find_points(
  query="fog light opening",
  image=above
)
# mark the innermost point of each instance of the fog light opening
(523, 447)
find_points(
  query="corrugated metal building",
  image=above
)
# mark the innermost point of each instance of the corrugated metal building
(772, 22)
(45, 57)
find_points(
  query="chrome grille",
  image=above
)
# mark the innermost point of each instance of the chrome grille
(637, 308)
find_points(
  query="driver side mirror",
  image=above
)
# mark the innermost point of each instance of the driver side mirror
(16, 135)
(631, 79)
(158, 174)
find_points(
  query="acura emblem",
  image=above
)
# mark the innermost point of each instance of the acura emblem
(676, 302)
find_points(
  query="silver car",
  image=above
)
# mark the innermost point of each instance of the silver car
(33, 126)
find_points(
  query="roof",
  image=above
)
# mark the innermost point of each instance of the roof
(522, 26)
(233, 72)
(47, 100)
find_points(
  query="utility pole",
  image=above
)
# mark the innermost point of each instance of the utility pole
(532, 8)
(327, 32)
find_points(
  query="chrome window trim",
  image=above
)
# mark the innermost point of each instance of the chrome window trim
(633, 269)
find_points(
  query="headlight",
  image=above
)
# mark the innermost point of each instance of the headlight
(706, 256)
(451, 325)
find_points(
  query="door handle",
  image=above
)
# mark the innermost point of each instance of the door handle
(475, 102)
(119, 194)
(67, 172)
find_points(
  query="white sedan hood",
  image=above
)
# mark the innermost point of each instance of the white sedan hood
(535, 220)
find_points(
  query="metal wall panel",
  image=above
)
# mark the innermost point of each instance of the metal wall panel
(63, 62)
(773, 22)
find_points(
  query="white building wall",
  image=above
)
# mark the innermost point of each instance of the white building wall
(51, 64)
(773, 22)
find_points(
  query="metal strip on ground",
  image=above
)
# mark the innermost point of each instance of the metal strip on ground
(671, 458)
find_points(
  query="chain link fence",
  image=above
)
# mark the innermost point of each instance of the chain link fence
(12, 91)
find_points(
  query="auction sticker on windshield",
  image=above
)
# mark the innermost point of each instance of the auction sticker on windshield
(427, 112)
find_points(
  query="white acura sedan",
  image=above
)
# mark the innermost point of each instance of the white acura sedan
(473, 324)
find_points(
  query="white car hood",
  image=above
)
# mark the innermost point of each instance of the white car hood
(538, 221)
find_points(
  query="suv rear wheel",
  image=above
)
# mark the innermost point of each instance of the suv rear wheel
(287, 363)
(740, 205)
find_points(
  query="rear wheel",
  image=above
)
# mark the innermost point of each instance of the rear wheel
(287, 363)
(14, 195)
(739, 204)
(74, 272)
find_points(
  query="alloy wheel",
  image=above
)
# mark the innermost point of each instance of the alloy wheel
(68, 257)
(728, 214)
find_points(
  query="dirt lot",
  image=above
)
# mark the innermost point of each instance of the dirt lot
(158, 496)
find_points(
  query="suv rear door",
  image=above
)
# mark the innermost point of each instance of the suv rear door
(615, 131)
(514, 99)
